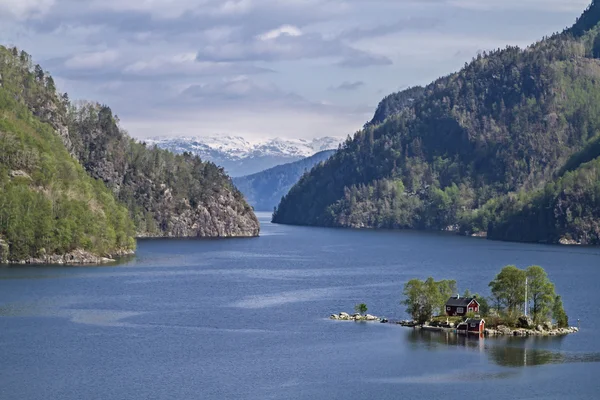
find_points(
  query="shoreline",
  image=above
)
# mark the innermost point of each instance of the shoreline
(75, 257)
(500, 330)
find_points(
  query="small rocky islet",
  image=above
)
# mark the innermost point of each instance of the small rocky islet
(357, 317)
(525, 329)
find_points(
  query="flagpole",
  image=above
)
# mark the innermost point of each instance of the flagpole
(526, 296)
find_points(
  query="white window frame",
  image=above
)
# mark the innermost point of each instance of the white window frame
(460, 310)
(448, 308)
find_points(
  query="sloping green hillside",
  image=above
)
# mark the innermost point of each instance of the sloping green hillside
(508, 122)
(48, 204)
(265, 189)
(166, 194)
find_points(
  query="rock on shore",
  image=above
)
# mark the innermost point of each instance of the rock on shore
(343, 316)
(74, 257)
(546, 330)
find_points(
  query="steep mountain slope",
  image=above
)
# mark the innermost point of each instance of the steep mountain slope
(167, 195)
(396, 103)
(265, 189)
(506, 123)
(240, 157)
(50, 209)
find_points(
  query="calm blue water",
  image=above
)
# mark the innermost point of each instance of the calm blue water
(247, 319)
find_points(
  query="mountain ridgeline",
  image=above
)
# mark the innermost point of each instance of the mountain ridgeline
(240, 157)
(72, 181)
(507, 147)
(265, 189)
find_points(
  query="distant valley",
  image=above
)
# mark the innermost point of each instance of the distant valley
(265, 189)
(240, 157)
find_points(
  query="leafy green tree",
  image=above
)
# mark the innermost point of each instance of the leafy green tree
(361, 308)
(484, 306)
(425, 298)
(559, 314)
(540, 293)
(509, 289)
(417, 302)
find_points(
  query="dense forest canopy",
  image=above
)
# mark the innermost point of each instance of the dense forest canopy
(166, 194)
(48, 204)
(72, 178)
(504, 143)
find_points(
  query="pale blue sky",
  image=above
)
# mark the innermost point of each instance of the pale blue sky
(262, 68)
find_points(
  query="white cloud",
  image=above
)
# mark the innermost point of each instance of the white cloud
(23, 9)
(289, 30)
(262, 66)
(92, 60)
(546, 5)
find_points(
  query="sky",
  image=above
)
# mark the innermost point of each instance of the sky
(262, 68)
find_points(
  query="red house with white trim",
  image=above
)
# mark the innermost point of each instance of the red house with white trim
(460, 306)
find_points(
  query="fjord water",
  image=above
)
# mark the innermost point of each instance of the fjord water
(247, 319)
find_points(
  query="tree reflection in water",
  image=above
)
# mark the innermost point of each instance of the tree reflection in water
(506, 352)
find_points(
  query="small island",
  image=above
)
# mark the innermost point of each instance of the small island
(522, 303)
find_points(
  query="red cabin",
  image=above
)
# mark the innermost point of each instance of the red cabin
(472, 326)
(460, 306)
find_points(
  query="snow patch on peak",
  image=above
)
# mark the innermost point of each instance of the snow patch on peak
(240, 156)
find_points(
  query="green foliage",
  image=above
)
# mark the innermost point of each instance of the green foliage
(541, 293)
(361, 308)
(508, 289)
(510, 294)
(265, 189)
(559, 314)
(395, 103)
(497, 148)
(425, 298)
(155, 185)
(484, 306)
(48, 204)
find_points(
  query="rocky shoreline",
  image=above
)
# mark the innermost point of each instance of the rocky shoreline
(538, 331)
(75, 257)
(343, 316)
(546, 329)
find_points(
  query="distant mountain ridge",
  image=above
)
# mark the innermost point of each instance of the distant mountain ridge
(240, 157)
(265, 189)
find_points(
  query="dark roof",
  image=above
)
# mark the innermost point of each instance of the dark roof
(477, 321)
(460, 302)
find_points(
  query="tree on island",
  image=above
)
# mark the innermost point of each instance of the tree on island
(515, 291)
(559, 314)
(541, 293)
(361, 308)
(425, 298)
(508, 289)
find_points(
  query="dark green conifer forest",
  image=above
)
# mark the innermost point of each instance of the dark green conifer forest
(507, 147)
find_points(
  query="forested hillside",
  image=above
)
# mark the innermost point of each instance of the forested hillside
(487, 149)
(49, 206)
(265, 189)
(166, 194)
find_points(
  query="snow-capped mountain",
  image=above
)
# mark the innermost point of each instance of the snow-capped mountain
(241, 157)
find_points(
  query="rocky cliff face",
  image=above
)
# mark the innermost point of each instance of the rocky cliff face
(224, 215)
(168, 195)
